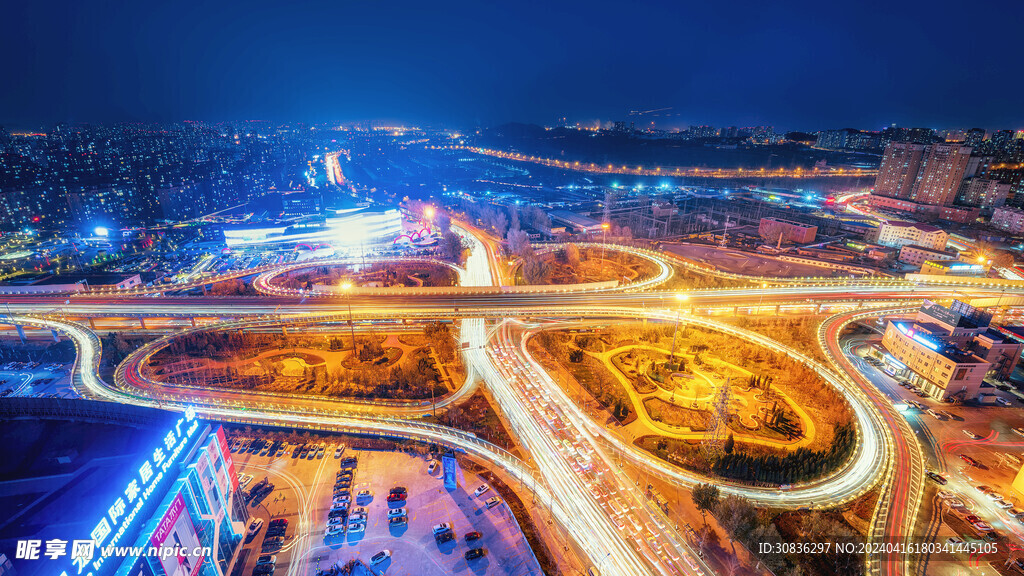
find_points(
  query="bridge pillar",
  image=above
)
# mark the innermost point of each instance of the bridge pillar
(92, 323)
(778, 308)
(817, 309)
(21, 332)
(284, 330)
(204, 289)
(56, 336)
(735, 310)
(193, 319)
(142, 322)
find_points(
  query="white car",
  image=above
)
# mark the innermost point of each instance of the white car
(1002, 401)
(970, 434)
(380, 556)
(364, 494)
(334, 530)
(442, 527)
(255, 526)
(357, 527)
(396, 512)
(482, 489)
(493, 501)
(432, 467)
(1003, 504)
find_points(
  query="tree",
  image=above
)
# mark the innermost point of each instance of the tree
(737, 515)
(730, 443)
(576, 356)
(452, 247)
(518, 242)
(536, 270)
(705, 498)
(572, 255)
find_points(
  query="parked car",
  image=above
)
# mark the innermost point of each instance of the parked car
(493, 501)
(254, 526)
(475, 553)
(481, 489)
(396, 512)
(474, 535)
(380, 556)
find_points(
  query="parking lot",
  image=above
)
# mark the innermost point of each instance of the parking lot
(31, 379)
(304, 489)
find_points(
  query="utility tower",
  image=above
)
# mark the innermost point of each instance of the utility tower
(718, 422)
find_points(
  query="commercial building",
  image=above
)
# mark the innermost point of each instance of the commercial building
(950, 268)
(775, 229)
(918, 255)
(1008, 219)
(899, 234)
(119, 476)
(350, 228)
(947, 352)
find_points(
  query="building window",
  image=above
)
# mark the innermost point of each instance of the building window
(960, 374)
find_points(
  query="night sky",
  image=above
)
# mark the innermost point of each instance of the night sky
(795, 65)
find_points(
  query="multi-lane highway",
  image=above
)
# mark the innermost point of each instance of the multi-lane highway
(607, 516)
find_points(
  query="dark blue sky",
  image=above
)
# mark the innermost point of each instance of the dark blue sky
(796, 65)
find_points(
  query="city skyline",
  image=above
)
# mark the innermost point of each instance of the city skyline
(800, 67)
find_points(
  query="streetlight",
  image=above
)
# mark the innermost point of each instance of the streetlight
(761, 297)
(346, 287)
(428, 215)
(680, 297)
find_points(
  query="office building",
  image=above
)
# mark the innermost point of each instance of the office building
(899, 234)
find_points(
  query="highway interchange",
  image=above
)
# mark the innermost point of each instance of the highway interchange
(572, 472)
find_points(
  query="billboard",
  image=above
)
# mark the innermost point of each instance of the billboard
(451, 470)
(229, 466)
(176, 530)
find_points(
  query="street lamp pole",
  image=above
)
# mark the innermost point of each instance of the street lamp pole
(760, 298)
(347, 287)
(680, 298)
(604, 239)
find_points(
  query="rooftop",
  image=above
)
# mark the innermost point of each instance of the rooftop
(917, 225)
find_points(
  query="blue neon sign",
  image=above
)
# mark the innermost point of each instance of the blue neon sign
(123, 514)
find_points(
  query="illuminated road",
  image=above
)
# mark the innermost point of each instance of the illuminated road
(592, 168)
(607, 516)
(900, 500)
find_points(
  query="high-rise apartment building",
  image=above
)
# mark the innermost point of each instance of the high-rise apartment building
(983, 193)
(942, 171)
(923, 174)
(900, 164)
(974, 137)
